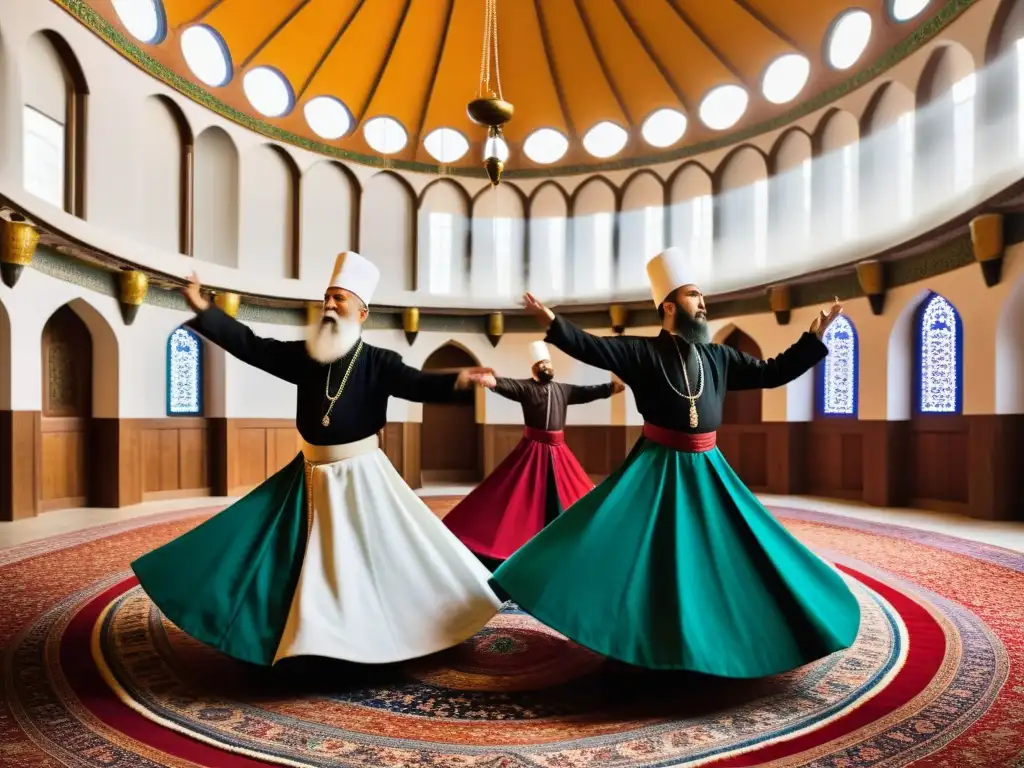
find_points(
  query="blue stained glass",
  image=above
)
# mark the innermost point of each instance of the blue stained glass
(837, 374)
(939, 347)
(184, 374)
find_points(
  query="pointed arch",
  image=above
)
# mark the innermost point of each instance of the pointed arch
(450, 440)
(592, 180)
(184, 373)
(938, 357)
(330, 207)
(783, 142)
(388, 196)
(837, 376)
(216, 205)
(463, 192)
(524, 199)
(542, 186)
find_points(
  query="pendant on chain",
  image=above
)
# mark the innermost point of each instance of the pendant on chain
(326, 420)
(693, 416)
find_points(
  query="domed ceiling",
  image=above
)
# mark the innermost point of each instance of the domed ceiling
(596, 84)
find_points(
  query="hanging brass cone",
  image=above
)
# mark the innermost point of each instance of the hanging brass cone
(411, 323)
(18, 247)
(494, 168)
(134, 286)
(228, 303)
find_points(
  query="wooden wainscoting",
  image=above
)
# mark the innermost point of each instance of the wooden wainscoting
(67, 462)
(497, 442)
(245, 452)
(20, 464)
(402, 447)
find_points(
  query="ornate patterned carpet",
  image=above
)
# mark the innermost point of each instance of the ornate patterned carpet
(94, 676)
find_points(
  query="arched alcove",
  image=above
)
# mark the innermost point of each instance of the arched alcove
(450, 443)
(593, 208)
(549, 242)
(886, 157)
(741, 214)
(790, 193)
(498, 242)
(216, 208)
(269, 242)
(691, 221)
(55, 92)
(835, 177)
(163, 168)
(444, 242)
(641, 229)
(388, 197)
(329, 220)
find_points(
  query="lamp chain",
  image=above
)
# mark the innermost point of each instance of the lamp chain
(490, 35)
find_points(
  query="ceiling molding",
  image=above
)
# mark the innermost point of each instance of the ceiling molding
(922, 34)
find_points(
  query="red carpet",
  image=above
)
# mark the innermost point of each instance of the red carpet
(94, 677)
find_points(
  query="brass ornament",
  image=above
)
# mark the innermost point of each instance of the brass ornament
(781, 303)
(134, 285)
(494, 168)
(619, 315)
(988, 244)
(495, 327)
(871, 277)
(18, 247)
(314, 312)
(489, 108)
(228, 303)
(411, 323)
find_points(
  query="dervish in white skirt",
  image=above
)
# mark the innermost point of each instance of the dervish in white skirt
(334, 555)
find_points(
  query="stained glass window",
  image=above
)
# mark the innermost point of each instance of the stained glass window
(837, 374)
(939, 355)
(184, 374)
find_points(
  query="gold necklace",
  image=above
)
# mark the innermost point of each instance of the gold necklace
(326, 420)
(700, 381)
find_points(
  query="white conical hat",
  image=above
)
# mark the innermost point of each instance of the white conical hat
(666, 273)
(356, 274)
(538, 352)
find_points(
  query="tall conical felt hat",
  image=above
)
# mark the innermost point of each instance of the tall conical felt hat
(538, 352)
(666, 273)
(356, 274)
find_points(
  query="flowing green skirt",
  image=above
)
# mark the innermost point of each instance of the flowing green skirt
(672, 563)
(229, 581)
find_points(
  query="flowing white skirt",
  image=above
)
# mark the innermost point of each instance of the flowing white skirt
(383, 579)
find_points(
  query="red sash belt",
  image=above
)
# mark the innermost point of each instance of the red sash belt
(543, 436)
(680, 441)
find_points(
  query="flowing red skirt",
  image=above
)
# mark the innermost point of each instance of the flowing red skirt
(515, 502)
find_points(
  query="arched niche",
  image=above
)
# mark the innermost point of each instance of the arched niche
(691, 222)
(744, 406)
(547, 271)
(80, 381)
(1001, 88)
(834, 177)
(945, 124)
(443, 248)
(1009, 370)
(387, 197)
(641, 228)
(216, 190)
(593, 208)
(887, 159)
(329, 218)
(790, 192)
(163, 168)
(450, 443)
(837, 376)
(53, 122)
(270, 207)
(498, 260)
(741, 221)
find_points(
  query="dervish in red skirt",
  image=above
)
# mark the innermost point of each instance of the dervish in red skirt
(540, 478)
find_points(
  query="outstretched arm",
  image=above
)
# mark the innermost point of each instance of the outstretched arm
(578, 394)
(619, 355)
(511, 389)
(408, 383)
(278, 358)
(746, 372)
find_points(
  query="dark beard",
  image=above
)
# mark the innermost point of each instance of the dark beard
(691, 330)
(545, 376)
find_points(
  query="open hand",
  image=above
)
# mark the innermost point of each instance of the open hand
(193, 294)
(617, 385)
(470, 376)
(544, 315)
(823, 321)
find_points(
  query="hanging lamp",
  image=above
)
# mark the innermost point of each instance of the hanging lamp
(489, 108)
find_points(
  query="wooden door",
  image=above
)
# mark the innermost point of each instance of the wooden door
(742, 407)
(450, 440)
(67, 411)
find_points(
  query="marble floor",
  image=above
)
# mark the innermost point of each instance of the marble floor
(1001, 534)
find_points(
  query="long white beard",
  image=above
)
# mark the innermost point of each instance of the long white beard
(327, 342)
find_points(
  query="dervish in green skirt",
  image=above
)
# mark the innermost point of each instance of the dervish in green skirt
(672, 563)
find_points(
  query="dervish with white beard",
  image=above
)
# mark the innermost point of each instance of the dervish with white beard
(334, 555)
